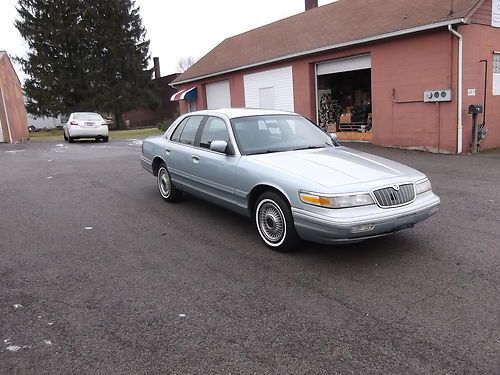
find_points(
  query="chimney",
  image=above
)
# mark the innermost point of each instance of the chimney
(156, 63)
(310, 4)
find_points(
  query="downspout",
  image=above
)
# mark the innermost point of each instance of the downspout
(460, 83)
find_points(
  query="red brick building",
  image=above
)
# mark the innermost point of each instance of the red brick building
(13, 123)
(167, 109)
(398, 73)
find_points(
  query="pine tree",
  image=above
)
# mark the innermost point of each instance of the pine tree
(85, 55)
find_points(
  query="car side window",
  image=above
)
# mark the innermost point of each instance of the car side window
(190, 129)
(178, 130)
(214, 130)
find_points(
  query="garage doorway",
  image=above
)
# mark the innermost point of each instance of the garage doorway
(344, 97)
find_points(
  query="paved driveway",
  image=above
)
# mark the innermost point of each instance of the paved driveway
(99, 275)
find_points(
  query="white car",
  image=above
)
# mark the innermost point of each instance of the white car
(85, 125)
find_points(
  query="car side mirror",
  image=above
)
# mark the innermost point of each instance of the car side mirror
(333, 136)
(219, 146)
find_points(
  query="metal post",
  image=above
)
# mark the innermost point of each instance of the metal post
(474, 134)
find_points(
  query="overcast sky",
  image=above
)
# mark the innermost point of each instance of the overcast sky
(179, 28)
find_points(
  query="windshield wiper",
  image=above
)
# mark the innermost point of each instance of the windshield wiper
(265, 152)
(309, 147)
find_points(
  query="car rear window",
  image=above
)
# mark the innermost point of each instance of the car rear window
(87, 116)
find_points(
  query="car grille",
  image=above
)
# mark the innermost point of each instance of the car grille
(389, 197)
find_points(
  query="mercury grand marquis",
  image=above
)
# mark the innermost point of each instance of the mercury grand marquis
(294, 181)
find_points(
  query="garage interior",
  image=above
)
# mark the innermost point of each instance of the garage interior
(344, 98)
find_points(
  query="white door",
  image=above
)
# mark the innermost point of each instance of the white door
(266, 96)
(218, 95)
(271, 89)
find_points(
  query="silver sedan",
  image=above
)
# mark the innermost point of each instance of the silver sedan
(295, 181)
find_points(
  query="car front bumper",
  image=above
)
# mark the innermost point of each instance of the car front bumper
(327, 229)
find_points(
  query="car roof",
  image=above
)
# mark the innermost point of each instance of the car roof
(242, 112)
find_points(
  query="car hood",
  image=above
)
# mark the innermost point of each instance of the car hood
(337, 166)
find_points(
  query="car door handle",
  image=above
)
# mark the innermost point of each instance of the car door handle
(195, 158)
(167, 150)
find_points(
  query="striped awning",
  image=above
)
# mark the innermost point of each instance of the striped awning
(187, 94)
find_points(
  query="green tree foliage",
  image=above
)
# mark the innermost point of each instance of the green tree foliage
(85, 55)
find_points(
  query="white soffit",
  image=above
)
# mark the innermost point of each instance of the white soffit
(345, 65)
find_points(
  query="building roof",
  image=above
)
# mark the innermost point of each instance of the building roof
(335, 25)
(2, 53)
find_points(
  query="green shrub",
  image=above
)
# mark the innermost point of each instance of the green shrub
(165, 124)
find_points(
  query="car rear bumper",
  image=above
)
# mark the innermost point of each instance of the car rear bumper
(90, 132)
(325, 229)
(147, 164)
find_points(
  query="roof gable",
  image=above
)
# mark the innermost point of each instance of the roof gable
(323, 27)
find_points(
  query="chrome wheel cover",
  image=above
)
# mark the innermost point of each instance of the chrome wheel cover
(164, 184)
(271, 222)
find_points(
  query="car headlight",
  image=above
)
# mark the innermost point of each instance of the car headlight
(423, 186)
(338, 201)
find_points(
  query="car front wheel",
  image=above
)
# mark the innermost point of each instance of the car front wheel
(167, 189)
(275, 223)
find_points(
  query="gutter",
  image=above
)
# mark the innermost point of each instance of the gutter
(327, 48)
(460, 83)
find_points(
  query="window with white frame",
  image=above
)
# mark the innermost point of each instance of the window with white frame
(496, 73)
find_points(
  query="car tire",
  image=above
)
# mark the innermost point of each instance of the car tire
(105, 139)
(71, 139)
(274, 222)
(167, 189)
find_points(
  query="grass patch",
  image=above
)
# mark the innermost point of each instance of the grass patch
(57, 135)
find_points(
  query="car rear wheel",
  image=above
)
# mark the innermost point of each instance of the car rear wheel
(70, 139)
(105, 139)
(275, 223)
(167, 189)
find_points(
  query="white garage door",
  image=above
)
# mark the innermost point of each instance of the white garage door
(272, 89)
(345, 65)
(218, 95)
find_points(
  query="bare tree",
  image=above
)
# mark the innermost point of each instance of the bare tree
(185, 63)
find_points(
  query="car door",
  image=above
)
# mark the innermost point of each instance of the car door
(213, 173)
(179, 151)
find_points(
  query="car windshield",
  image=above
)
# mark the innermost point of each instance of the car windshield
(87, 116)
(277, 133)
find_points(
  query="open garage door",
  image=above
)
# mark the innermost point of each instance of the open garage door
(344, 98)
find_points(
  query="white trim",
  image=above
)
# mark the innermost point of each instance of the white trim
(333, 46)
(6, 115)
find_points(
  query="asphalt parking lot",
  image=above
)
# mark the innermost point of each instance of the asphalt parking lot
(98, 275)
